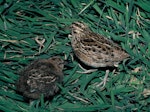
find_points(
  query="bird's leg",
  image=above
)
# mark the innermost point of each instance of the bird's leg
(85, 71)
(103, 83)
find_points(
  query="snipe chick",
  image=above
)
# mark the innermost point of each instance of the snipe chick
(94, 49)
(41, 77)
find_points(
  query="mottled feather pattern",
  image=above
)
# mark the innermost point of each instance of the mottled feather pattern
(94, 49)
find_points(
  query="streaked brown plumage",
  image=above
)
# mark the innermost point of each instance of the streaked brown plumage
(40, 77)
(94, 49)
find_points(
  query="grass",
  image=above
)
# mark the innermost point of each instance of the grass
(32, 29)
